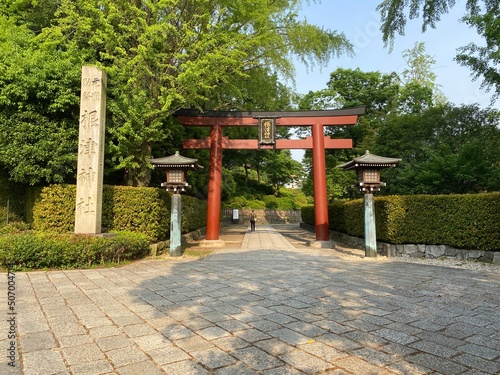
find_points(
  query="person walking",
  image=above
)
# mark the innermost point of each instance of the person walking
(253, 217)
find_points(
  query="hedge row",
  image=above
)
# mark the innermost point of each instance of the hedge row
(269, 202)
(143, 210)
(28, 250)
(13, 197)
(468, 221)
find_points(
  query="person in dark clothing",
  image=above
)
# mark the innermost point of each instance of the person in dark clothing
(253, 217)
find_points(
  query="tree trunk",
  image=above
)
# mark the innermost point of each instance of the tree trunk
(141, 175)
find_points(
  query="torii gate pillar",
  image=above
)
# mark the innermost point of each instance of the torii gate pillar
(318, 143)
(214, 189)
(320, 195)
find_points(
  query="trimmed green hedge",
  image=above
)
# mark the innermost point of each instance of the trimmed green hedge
(32, 250)
(143, 210)
(469, 221)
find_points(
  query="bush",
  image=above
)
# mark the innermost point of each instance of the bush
(256, 204)
(143, 210)
(15, 195)
(125, 208)
(34, 250)
(237, 202)
(287, 203)
(271, 202)
(464, 221)
(194, 214)
(14, 227)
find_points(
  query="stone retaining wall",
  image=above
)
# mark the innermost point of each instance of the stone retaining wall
(416, 251)
(264, 216)
(421, 250)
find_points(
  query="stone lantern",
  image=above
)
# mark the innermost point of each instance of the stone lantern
(176, 167)
(367, 169)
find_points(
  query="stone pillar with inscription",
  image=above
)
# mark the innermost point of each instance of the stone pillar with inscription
(90, 151)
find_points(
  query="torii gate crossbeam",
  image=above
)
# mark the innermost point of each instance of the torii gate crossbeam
(318, 142)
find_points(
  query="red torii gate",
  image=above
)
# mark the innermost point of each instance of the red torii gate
(318, 142)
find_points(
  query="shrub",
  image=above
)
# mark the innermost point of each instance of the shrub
(307, 214)
(256, 204)
(125, 208)
(240, 201)
(32, 250)
(143, 210)
(15, 195)
(271, 202)
(287, 203)
(463, 221)
(14, 227)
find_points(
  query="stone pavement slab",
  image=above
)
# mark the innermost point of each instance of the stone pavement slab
(268, 306)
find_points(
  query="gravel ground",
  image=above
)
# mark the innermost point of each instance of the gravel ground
(349, 253)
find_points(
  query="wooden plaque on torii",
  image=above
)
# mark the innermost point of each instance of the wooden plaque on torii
(318, 143)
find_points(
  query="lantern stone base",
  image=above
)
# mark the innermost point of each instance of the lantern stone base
(212, 243)
(322, 244)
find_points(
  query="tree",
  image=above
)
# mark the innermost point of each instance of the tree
(484, 61)
(165, 55)
(445, 149)
(38, 108)
(348, 88)
(281, 168)
(483, 15)
(419, 90)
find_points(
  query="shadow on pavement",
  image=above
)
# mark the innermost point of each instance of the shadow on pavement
(286, 312)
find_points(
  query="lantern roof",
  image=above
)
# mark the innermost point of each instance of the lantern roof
(369, 160)
(176, 161)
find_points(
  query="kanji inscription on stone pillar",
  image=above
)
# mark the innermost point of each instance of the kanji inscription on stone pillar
(90, 151)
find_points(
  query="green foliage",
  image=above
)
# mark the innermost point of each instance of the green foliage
(468, 221)
(159, 57)
(13, 196)
(193, 214)
(307, 214)
(54, 210)
(142, 210)
(445, 149)
(271, 202)
(39, 87)
(237, 202)
(287, 203)
(281, 168)
(290, 199)
(14, 227)
(483, 60)
(33, 250)
(256, 204)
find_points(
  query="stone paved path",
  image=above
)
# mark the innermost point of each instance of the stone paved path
(271, 307)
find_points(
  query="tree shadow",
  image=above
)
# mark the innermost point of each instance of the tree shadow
(249, 312)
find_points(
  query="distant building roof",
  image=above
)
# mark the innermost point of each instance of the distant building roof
(369, 160)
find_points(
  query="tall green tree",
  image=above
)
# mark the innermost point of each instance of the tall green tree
(484, 15)
(419, 89)
(281, 169)
(349, 88)
(445, 149)
(38, 107)
(169, 54)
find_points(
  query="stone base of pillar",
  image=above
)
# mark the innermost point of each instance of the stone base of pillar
(212, 243)
(322, 244)
(177, 252)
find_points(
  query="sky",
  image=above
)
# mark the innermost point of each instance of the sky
(360, 22)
